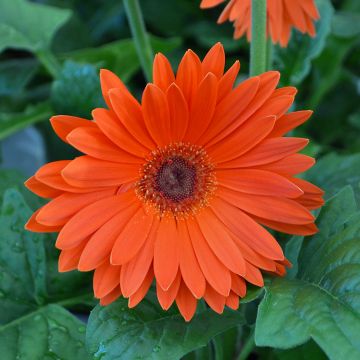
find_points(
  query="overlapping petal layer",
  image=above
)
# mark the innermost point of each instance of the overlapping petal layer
(197, 123)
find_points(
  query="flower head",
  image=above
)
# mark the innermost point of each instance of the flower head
(178, 188)
(282, 16)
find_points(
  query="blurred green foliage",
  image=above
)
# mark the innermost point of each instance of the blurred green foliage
(50, 55)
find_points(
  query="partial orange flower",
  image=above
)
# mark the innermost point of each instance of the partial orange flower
(282, 16)
(178, 188)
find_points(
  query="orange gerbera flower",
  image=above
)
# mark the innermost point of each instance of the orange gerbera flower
(177, 188)
(282, 16)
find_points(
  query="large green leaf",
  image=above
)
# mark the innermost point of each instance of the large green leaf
(51, 332)
(308, 351)
(323, 301)
(120, 56)
(14, 179)
(26, 289)
(29, 26)
(11, 123)
(22, 259)
(146, 332)
(333, 171)
(15, 75)
(295, 60)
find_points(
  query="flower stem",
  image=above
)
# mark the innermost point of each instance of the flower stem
(50, 62)
(140, 36)
(258, 37)
(248, 347)
(269, 54)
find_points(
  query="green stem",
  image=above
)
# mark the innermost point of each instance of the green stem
(50, 62)
(140, 36)
(269, 54)
(258, 37)
(248, 347)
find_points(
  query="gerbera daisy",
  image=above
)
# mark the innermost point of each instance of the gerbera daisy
(178, 188)
(282, 16)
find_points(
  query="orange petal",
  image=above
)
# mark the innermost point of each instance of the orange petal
(111, 297)
(34, 226)
(178, 112)
(41, 189)
(93, 142)
(242, 140)
(247, 230)
(226, 83)
(156, 114)
(289, 122)
(258, 182)
(113, 128)
(214, 299)
(229, 109)
(238, 285)
(189, 75)
(134, 272)
(270, 150)
(272, 208)
(232, 301)
(214, 61)
(166, 298)
(99, 246)
(143, 289)
(128, 110)
(88, 172)
(303, 230)
(202, 108)
(106, 279)
(163, 74)
(69, 259)
(186, 302)
(64, 124)
(226, 250)
(166, 252)
(215, 272)
(253, 275)
(189, 265)
(58, 211)
(210, 3)
(90, 219)
(108, 81)
(132, 238)
(290, 165)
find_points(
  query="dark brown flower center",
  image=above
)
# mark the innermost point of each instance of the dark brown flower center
(178, 179)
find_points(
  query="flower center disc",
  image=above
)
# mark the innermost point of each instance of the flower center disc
(177, 179)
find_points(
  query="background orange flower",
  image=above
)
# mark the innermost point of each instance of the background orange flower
(282, 16)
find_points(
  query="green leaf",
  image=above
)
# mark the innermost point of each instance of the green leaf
(77, 90)
(147, 332)
(15, 75)
(346, 24)
(11, 123)
(26, 316)
(333, 171)
(48, 333)
(294, 62)
(22, 261)
(308, 351)
(323, 301)
(14, 179)
(29, 26)
(120, 56)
